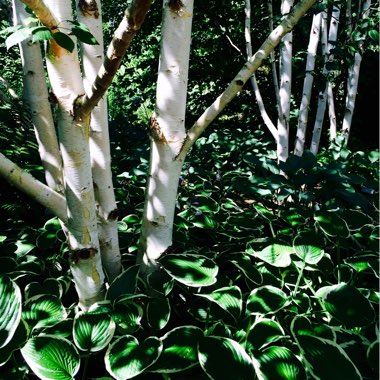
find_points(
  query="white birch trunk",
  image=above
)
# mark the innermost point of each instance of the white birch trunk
(352, 83)
(66, 82)
(89, 13)
(285, 88)
(308, 84)
(326, 95)
(36, 98)
(248, 41)
(167, 132)
(274, 67)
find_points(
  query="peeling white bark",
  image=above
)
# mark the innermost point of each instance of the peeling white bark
(308, 84)
(36, 99)
(168, 133)
(65, 78)
(89, 13)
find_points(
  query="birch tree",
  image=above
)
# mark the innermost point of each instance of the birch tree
(85, 209)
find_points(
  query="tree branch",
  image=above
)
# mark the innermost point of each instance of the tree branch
(38, 191)
(243, 75)
(129, 26)
(42, 12)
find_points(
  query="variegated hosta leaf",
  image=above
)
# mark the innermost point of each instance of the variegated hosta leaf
(127, 358)
(10, 306)
(191, 270)
(51, 357)
(224, 358)
(92, 331)
(180, 350)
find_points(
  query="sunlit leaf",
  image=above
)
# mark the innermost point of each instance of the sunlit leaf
(277, 255)
(10, 306)
(126, 358)
(266, 299)
(92, 331)
(263, 333)
(279, 363)
(250, 272)
(51, 357)
(228, 298)
(42, 311)
(191, 270)
(331, 224)
(311, 254)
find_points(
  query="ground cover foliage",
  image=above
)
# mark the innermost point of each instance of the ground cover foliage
(269, 276)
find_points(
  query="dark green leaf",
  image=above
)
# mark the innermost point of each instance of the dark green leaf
(84, 35)
(266, 299)
(64, 41)
(224, 358)
(123, 284)
(179, 350)
(158, 313)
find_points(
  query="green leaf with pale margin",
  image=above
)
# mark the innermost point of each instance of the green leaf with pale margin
(126, 358)
(331, 224)
(347, 304)
(373, 356)
(123, 284)
(251, 273)
(18, 36)
(191, 270)
(42, 311)
(64, 41)
(18, 340)
(223, 358)
(263, 333)
(50, 286)
(158, 313)
(10, 306)
(160, 282)
(326, 360)
(279, 363)
(51, 357)
(277, 255)
(127, 315)
(266, 299)
(311, 254)
(228, 298)
(180, 350)
(92, 331)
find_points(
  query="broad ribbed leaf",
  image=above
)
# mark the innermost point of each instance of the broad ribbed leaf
(45, 310)
(123, 284)
(41, 33)
(279, 363)
(92, 331)
(158, 313)
(126, 358)
(127, 316)
(10, 306)
(331, 224)
(266, 299)
(51, 357)
(50, 286)
(180, 350)
(326, 360)
(191, 270)
(263, 333)
(277, 255)
(309, 253)
(349, 306)
(224, 358)
(228, 298)
(18, 340)
(250, 272)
